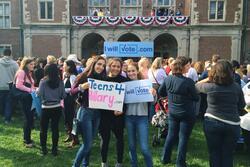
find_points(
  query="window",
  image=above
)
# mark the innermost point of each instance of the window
(164, 7)
(216, 10)
(5, 15)
(2, 47)
(96, 6)
(163, 3)
(131, 7)
(46, 9)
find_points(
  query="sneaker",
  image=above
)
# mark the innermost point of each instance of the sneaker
(118, 165)
(29, 145)
(104, 164)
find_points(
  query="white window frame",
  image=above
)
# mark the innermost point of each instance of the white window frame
(171, 5)
(90, 6)
(137, 6)
(6, 2)
(46, 10)
(216, 10)
(5, 46)
(155, 4)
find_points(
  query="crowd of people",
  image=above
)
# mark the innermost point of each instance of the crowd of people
(62, 86)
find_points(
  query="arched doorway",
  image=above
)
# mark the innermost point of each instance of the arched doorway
(129, 37)
(165, 45)
(92, 44)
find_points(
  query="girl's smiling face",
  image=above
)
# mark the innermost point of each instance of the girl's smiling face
(132, 72)
(100, 66)
(115, 69)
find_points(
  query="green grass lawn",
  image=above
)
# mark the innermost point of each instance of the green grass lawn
(13, 152)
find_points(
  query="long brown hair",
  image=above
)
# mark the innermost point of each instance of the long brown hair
(23, 66)
(89, 70)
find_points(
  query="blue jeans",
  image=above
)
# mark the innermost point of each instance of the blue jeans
(5, 104)
(181, 126)
(89, 120)
(221, 140)
(138, 126)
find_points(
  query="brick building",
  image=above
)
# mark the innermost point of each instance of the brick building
(41, 27)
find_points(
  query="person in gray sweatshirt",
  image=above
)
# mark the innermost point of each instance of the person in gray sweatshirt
(51, 90)
(8, 68)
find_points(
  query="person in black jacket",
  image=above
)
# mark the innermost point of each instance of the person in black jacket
(222, 123)
(113, 120)
(181, 94)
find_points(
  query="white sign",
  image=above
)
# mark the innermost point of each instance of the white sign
(138, 91)
(106, 95)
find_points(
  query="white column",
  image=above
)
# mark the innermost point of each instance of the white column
(236, 46)
(28, 45)
(64, 46)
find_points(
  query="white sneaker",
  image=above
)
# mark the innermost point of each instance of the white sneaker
(104, 164)
(118, 165)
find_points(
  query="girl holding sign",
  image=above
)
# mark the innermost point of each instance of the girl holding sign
(113, 120)
(89, 119)
(136, 121)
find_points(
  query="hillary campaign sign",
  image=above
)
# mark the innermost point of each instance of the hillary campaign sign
(106, 95)
(129, 49)
(138, 91)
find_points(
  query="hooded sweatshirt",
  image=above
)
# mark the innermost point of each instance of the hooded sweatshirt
(8, 68)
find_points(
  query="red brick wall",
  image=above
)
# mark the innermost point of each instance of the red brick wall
(214, 45)
(11, 37)
(42, 46)
(59, 7)
(231, 7)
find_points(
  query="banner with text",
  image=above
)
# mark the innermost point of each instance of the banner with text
(129, 49)
(138, 91)
(106, 95)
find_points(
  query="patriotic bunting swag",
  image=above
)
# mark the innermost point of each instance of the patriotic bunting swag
(113, 21)
(95, 20)
(162, 20)
(179, 20)
(131, 20)
(146, 21)
(80, 20)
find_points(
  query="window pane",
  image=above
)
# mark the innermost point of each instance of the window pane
(1, 9)
(134, 2)
(49, 10)
(212, 10)
(107, 2)
(1, 21)
(95, 2)
(42, 10)
(220, 10)
(160, 2)
(7, 10)
(127, 2)
(102, 3)
(166, 2)
(7, 22)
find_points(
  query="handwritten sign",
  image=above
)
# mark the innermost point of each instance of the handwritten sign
(106, 95)
(138, 91)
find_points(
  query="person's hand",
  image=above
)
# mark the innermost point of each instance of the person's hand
(204, 80)
(117, 113)
(84, 86)
(152, 91)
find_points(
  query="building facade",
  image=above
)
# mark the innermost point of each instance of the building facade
(41, 27)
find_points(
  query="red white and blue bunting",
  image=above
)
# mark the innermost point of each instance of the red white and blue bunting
(162, 20)
(112, 21)
(146, 21)
(95, 20)
(80, 20)
(179, 20)
(131, 20)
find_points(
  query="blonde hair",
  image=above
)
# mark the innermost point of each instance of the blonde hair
(51, 59)
(157, 63)
(144, 62)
